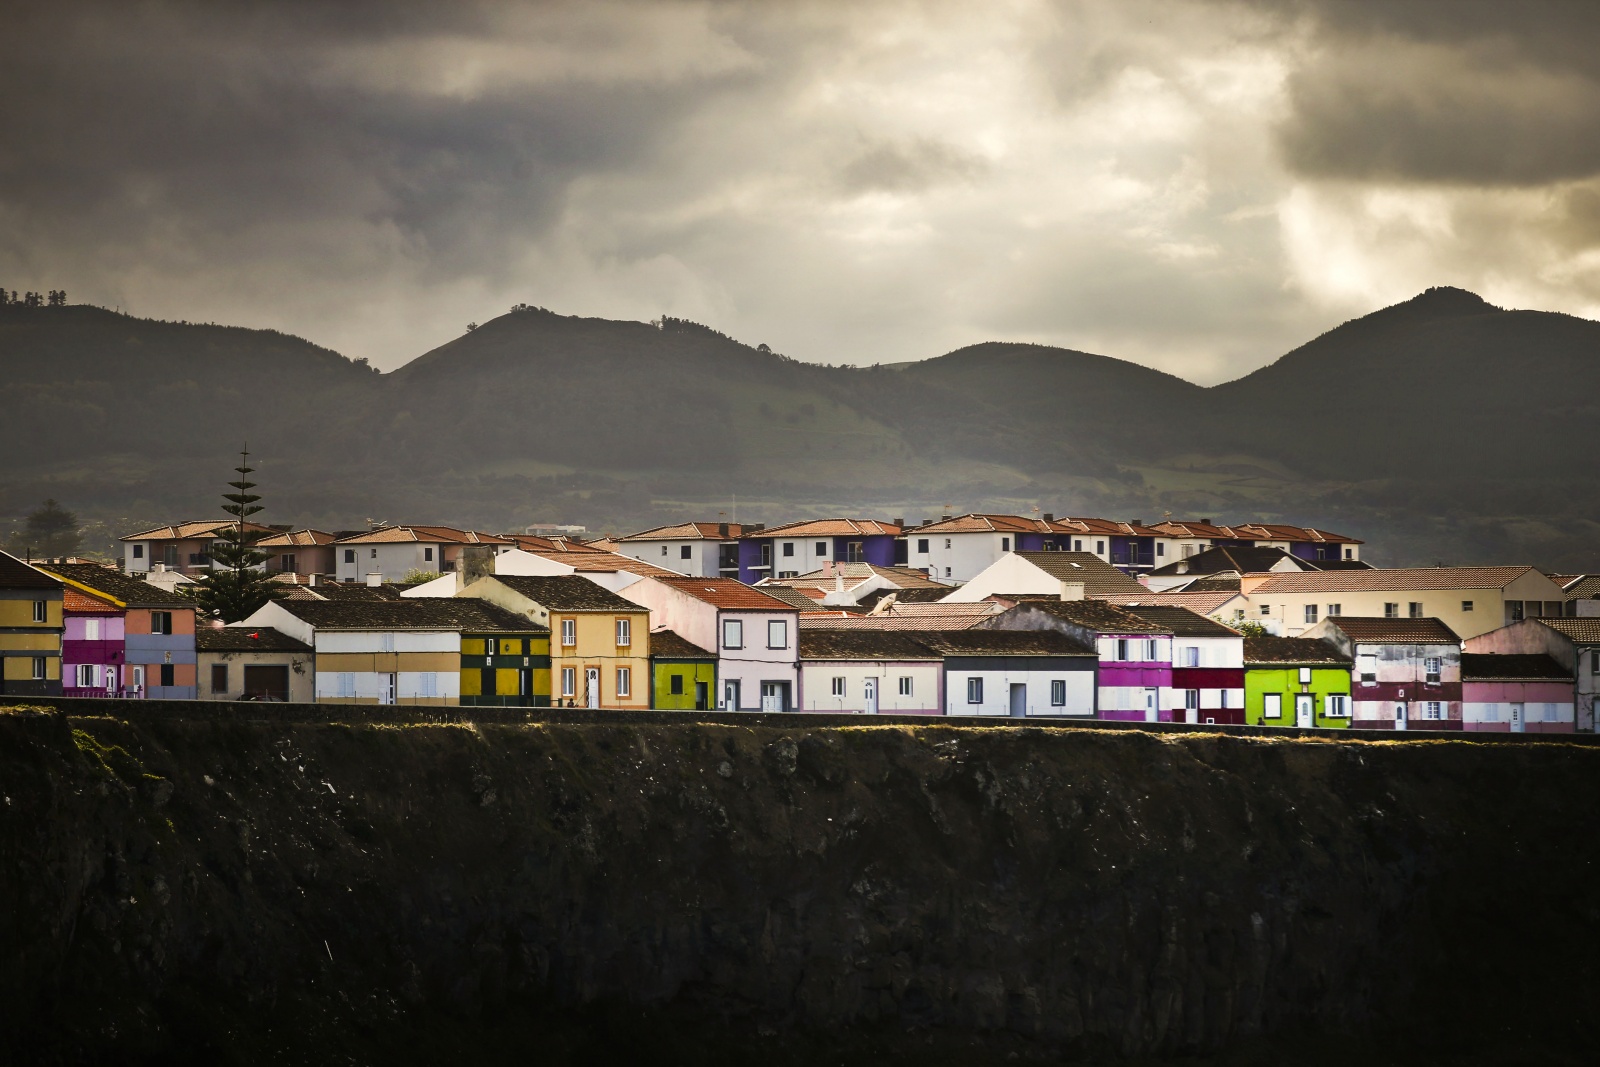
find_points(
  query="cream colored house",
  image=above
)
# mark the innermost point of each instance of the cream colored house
(1469, 600)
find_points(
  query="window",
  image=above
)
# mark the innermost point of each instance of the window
(1152, 650)
(374, 554)
(427, 553)
(663, 550)
(38, 667)
(1058, 693)
(905, 685)
(345, 684)
(1005, 544)
(1466, 605)
(386, 642)
(1367, 667)
(675, 685)
(219, 677)
(1335, 609)
(922, 544)
(947, 572)
(788, 548)
(1191, 699)
(569, 632)
(1077, 546)
(1191, 656)
(1311, 613)
(168, 675)
(624, 681)
(1431, 667)
(778, 633)
(1415, 609)
(822, 548)
(1433, 709)
(854, 552)
(1272, 706)
(1515, 608)
(732, 633)
(1122, 650)
(1337, 707)
(138, 552)
(686, 552)
(974, 690)
(624, 632)
(569, 681)
(86, 675)
(1161, 548)
(40, 611)
(1349, 553)
(1100, 548)
(286, 561)
(1594, 662)
(161, 622)
(1266, 609)
(428, 684)
(349, 555)
(766, 553)
(947, 542)
(1391, 611)
(838, 687)
(1305, 675)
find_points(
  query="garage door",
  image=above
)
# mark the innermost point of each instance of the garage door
(266, 683)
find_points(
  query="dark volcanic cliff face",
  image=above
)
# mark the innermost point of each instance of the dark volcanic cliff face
(268, 892)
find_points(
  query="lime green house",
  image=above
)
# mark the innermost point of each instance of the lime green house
(1295, 681)
(683, 674)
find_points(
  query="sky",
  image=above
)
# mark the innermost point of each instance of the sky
(1196, 186)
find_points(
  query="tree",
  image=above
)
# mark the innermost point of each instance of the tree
(51, 531)
(236, 586)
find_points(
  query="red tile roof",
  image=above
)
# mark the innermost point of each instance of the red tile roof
(297, 539)
(1394, 631)
(191, 528)
(1396, 578)
(688, 531)
(829, 528)
(976, 522)
(85, 604)
(725, 593)
(447, 535)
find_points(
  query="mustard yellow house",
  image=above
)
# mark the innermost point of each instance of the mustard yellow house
(30, 630)
(599, 642)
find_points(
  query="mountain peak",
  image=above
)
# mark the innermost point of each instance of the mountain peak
(1441, 301)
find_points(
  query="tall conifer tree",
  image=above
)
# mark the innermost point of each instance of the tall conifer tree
(236, 588)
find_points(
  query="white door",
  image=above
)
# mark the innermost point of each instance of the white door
(391, 686)
(1302, 710)
(1399, 716)
(771, 696)
(1516, 719)
(872, 696)
(730, 696)
(591, 686)
(1150, 712)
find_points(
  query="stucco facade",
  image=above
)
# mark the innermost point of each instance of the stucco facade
(31, 628)
(1574, 643)
(1407, 672)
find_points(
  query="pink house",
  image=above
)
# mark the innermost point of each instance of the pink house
(92, 649)
(1515, 694)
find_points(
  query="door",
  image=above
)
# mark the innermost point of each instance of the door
(730, 695)
(1399, 716)
(487, 684)
(266, 682)
(872, 696)
(1303, 705)
(702, 693)
(1151, 712)
(1516, 719)
(1019, 700)
(391, 688)
(774, 696)
(591, 686)
(525, 686)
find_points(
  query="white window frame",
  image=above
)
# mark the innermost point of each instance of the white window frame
(428, 684)
(905, 685)
(91, 629)
(838, 686)
(569, 636)
(1336, 706)
(41, 611)
(624, 681)
(780, 628)
(1305, 675)
(86, 679)
(569, 681)
(1152, 650)
(1272, 705)
(1433, 709)
(1191, 700)
(974, 690)
(1311, 614)
(1433, 669)
(624, 629)
(1058, 692)
(732, 633)
(1191, 657)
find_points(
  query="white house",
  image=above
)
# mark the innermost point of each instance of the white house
(1071, 575)
(756, 637)
(395, 551)
(954, 550)
(609, 569)
(872, 672)
(1020, 674)
(704, 549)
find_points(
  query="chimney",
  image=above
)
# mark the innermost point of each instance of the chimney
(899, 522)
(1071, 590)
(1205, 522)
(311, 579)
(374, 578)
(1135, 522)
(160, 568)
(1049, 516)
(722, 529)
(475, 561)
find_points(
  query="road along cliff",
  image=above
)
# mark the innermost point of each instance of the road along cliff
(259, 891)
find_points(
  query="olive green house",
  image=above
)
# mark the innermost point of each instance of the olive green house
(1295, 681)
(684, 675)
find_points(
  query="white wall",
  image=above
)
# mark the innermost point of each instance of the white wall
(392, 559)
(1008, 574)
(373, 686)
(388, 641)
(756, 663)
(816, 685)
(966, 556)
(806, 558)
(702, 561)
(997, 692)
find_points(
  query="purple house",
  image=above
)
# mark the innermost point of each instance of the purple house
(93, 654)
(802, 547)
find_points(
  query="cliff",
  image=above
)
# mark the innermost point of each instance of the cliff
(241, 891)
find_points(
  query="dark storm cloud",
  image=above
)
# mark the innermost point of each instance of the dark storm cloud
(1471, 92)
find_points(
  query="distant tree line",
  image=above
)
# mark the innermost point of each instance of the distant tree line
(54, 298)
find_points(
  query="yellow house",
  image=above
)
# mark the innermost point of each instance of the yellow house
(599, 642)
(30, 630)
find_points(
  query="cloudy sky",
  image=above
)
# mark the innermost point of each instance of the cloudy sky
(1197, 186)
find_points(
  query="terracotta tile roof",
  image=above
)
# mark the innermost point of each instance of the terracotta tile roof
(1397, 578)
(1202, 603)
(1293, 652)
(1394, 631)
(565, 592)
(1099, 578)
(1478, 667)
(1228, 559)
(446, 535)
(1004, 643)
(191, 528)
(1211, 585)
(1258, 531)
(668, 644)
(118, 587)
(1112, 527)
(245, 639)
(828, 528)
(77, 603)
(441, 613)
(1581, 586)
(792, 597)
(1207, 530)
(1098, 615)
(726, 594)
(297, 539)
(855, 574)
(976, 522)
(540, 545)
(688, 531)
(1582, 631)
(868, 644)
(589, 560)
(15, 574)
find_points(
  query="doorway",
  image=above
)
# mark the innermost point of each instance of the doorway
(872, 696)
(774, 696)
(390, 689)
(266, 682)
(1019, 700)
(702, 693)
(1517, 719)
(730, 695)
(1399, 716)
(1304, 703)
(591, 686)
(1151, 711)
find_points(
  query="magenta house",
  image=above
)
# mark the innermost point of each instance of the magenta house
(1515, 694)
(93, 653)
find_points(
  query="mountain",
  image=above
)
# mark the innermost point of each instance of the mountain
(1437, 428)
